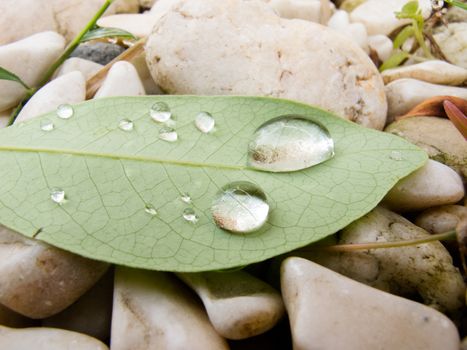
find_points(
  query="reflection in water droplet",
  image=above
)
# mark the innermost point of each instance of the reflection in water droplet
(205, 122)
(190, 215)
(289, 143)
(396, 155)
(160, 112)
(65, 111)
(47, 125)
(57, 195)
(168, 134)
(149, 208)
(240, 207)
(186, 198)
(126, 125)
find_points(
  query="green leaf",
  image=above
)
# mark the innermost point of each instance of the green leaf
(7, 75)
(110, 175)
(457, 3)
(402, 37)
(394, 60)
(99, 33)
(409, 10)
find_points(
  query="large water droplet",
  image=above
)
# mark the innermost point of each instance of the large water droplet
(65, 111)
(149, 208)
(190, 215)
(168, 134)
(186, 198)
(57, 195)
(240, 207)
(47, 125)
(205, 122)
(126, 125)
(396, 155)
(289, 143)
(160, 112)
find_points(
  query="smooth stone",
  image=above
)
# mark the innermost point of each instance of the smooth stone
(23, 18)
(46, 339)
(437, 136)
(452, 41)
(67, 89)
(349, 5)
(432, 185)
(10, 318)
(86, 67)
(137, 24)
(38, 280)
(122, 80)
(146, 3)
(441, 219)
(379, 18)
(435, 71)
(354, 31)
(404, 94)
(308, 10)
(28, 58)
(238, 59)
(139, 62)
(330, 311)
(91, 314)
(153, 310)
(382, 45)
(125, 6)
(339, 20)
(98, 52)
(238, 304)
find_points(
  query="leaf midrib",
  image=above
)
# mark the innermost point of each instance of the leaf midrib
(123, 157)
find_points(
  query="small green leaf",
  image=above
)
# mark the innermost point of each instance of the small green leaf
(99, 33)
(457, 3)
(409, 10)
(394, 60)
(402, 37)
(110, 175)
(7, 75)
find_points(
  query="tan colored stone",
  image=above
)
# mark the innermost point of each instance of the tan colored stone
(330, 311)
(152, 310)
(46, 339)
(38, 280)
(28, 58)
(441, 219)
(249, 50)
(5, 118)
(86, 67)
(432, 185)
(452, 40)
(239, 305)
(67, 89)
(438, 137)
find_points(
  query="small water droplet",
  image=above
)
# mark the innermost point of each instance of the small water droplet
(186, 198)
(65, 111)
(289, 143)
(126, 125)
(160, 112)
(57, 195)
(47, 125)
(190, 215)
(396, 155)
(205, 122)
(149, 208)
(168, 134)
(240, 207)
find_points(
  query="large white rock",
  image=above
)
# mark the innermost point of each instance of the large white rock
(238, 304)
(38, 280)
(330, 311)
(152, 310)
(435, 71)
(433, 184)
(379, 16)
(28, 58)
(47, 339)
(404, 94)
(122, 80)
(452, 40)
(86, 67)
(67, 89)
(441, 219)
(237, 47)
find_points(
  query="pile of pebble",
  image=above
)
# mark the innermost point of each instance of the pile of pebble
(312, 51)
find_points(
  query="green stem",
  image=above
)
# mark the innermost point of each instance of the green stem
(76, 41)
(421, 40)
(377, 245)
